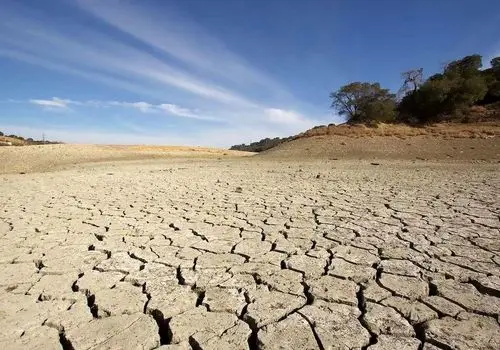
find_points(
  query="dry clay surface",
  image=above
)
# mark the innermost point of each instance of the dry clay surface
(250, 254)
(50, 157)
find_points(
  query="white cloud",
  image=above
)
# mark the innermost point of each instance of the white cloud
(181, 38)
(219, 137)
(202, 78)
(96, 56)
(289, 119)
(53, 104)
(143, 107)
(183, 112)
(281, 116)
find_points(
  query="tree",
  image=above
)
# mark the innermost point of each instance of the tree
(492, 79)
(412, 80)
(465, 67)
(495, 63)
(1, 133)
(364, 102)
(459, 86)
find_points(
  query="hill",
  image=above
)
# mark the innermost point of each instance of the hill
(14, 140)
(480, 141)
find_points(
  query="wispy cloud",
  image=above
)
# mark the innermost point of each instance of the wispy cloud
(141, 106)
(182, 39)
(101, 57)
(220, 137)
(53, 103)
(151, 55)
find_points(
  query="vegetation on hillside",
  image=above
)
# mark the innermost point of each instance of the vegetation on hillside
(462, 92)
(14, 140)
(442, 97)
(261, 145)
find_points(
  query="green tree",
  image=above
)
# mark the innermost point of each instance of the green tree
(1, 133)
(466, 67)
(460, 86)
(364, 102)
(495, 63)
(492, 79)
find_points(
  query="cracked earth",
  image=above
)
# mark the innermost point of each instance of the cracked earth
(250, 254)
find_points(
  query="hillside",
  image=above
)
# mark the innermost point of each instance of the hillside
(478, 141)
(14, 140)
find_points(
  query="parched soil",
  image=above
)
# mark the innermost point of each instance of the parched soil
(252, 253)
(50, 157)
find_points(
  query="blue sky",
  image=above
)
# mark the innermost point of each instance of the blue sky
(218, 72)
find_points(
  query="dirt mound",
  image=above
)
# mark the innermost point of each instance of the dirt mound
(442, 141)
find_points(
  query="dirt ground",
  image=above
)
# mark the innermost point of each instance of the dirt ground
(389, 147)
(226, 252)
(50, 157)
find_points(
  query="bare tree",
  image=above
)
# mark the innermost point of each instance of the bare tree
(412, 80)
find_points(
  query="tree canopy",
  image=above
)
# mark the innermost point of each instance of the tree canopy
(460, 85)
(364, 102)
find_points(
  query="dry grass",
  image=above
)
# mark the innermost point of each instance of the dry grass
(444, 130)
(11, 141)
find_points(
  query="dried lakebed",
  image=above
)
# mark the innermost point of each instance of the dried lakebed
(250, 254)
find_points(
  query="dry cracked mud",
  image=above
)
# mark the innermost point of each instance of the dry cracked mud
(251, 254)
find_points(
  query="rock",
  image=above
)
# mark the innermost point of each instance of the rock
(213, 261)
(14, 274)
(400, 267)
(168, 299)
(467, 296)
(269, 306)
(252, 248)
(443, 306)
(489, 285)
(385, 320)
(79, 262)
(357, 273)
(93, 280)
(123, 299)
(373, 292)
(336, 325)
(285, 281)
(414, 311)
(120, 262)
(78, 314)
(388, 342)
(310, 267)
(55, 287)
(202, 325)
(355, 255)
(152, 272)
(224, 300)
(468, 332)
(20, 313)
(408, 287)
(294, 332)
(137, 331)
(40, 338)
(334, 290)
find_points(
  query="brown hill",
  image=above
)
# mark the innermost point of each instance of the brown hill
(478, 141)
